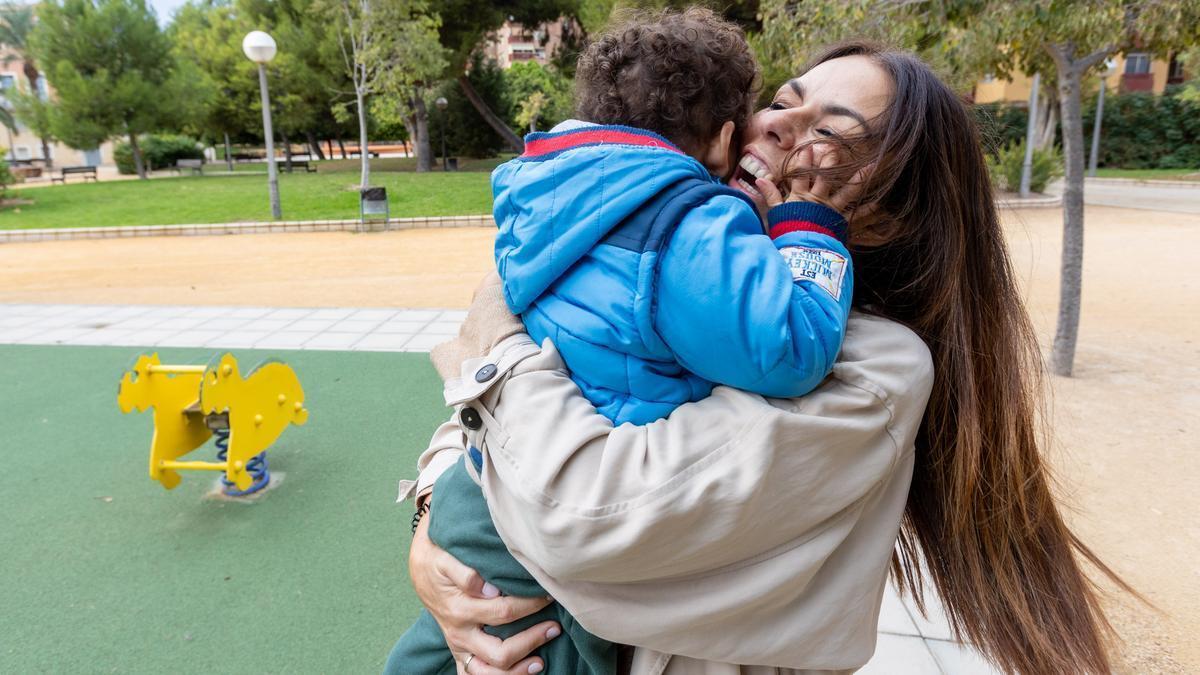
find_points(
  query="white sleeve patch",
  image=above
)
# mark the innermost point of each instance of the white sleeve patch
(821, 266)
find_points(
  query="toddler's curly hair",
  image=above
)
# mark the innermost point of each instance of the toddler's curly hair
(681, 74)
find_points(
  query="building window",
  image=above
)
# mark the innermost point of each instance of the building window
(1137, 64)
(7, 81)
(1175, 74)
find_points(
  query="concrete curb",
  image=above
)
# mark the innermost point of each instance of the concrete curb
(1043, 202)
(1195, 184)
(349, 225)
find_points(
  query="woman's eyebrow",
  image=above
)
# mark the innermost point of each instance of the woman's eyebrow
(839, 110)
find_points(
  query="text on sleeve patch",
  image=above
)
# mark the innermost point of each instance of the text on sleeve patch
(821, 266)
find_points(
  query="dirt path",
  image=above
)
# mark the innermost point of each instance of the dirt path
(1126, 424)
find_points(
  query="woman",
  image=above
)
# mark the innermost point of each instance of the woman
(748, 531)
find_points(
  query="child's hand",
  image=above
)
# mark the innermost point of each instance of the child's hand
(815, 188)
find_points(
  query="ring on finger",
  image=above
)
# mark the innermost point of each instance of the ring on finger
(467, 663)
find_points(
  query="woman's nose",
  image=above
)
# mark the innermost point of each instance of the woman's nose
(786, 128)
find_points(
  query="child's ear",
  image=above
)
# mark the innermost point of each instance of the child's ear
(719, 156)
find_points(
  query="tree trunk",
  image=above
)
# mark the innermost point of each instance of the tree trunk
(514, 141)
(421, 134)
(1071, 284)
(314, 146)
(363, 153)
(287, 153)
(228, 154)
(329, 146)
(137, 156)
(1049, 125)
(46, 153)
(342, 147)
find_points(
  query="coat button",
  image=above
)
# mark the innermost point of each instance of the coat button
(470, 419)
(485, 373)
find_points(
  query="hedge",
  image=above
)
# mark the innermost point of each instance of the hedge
(159, 152)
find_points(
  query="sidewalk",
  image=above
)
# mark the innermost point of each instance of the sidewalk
(908, 643)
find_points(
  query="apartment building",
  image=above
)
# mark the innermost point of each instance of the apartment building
(1131, 72)
(21, 144)
(515, 43)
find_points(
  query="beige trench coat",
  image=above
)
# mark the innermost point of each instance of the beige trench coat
(740, 530)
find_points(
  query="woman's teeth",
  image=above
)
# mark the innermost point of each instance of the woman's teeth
(755, 168)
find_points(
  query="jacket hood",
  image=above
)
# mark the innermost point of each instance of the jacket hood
(570, 188)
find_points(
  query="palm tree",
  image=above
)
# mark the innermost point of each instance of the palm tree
(16, 24)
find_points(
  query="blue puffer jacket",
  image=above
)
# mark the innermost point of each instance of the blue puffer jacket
(655, 281)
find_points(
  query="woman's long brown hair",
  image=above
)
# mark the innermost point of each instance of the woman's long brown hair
(981, 517)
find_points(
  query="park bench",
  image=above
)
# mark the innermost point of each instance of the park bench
(196, 166)
(356, 153)
(85, 171)
(309, 167)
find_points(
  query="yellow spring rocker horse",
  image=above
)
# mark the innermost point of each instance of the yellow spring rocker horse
(193, 403)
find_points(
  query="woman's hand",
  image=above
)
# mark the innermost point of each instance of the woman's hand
(462, 604)
(817, 188)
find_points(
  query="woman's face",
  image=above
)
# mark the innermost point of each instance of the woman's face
(840, 97)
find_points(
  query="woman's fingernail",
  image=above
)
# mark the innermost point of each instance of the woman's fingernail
(490, 591)
(553, 633)
(535, 667)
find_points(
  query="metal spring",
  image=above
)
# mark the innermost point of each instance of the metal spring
(256, 467)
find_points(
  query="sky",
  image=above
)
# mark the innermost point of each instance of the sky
(165, 8)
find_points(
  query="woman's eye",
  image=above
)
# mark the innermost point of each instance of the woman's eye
(828, 133)
(775, 106)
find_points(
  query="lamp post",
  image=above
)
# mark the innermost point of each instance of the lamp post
(260, 48)
(441, 104)
(1094, 158)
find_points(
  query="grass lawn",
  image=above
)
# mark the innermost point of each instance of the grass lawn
(328, 194)
(1151, 174)
(105, 571)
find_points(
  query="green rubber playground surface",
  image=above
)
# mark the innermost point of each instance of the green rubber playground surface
(102, 570)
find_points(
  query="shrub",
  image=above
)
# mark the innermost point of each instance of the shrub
(1144, 131)
(1006, 168)
(1000, 125)
(158, 152)
(6, 177)
(467, 134)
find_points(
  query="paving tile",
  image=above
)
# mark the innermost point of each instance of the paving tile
(958, 659)
(289, 313)
(249, 312)
(125, 311)
(900, 655)
(268, 324)
(285, 340)
(224, 323)
(189, 338)
(935, 625)
(91, 310)
(313, 325)
(181, 323)
(331, 313)
(49, 310)
(240, 339)
(209, 312)
(20, 335)
(362, 327)
(453, 315)
(893, 615)
(107, 336)
(138, 322)
(423, 343)
(333, 341)
(397, 326)
(425, 315)
(442, 328)
(16, 321)
(151, 336)
(373, 314)
(382, 342)
(58, 336)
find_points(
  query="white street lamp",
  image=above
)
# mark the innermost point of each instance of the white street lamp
(1110, 69)
(441, 104)
(260, 48)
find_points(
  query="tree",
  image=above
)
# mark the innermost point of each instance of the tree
(541, 93)
(465, 23)
(1077, 36)
(112, 70)
(411, 60)
(16, 24)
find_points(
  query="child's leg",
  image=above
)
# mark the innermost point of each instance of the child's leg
(422, 649)
(461, 524)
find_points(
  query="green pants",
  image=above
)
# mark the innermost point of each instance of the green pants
(461, 525)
